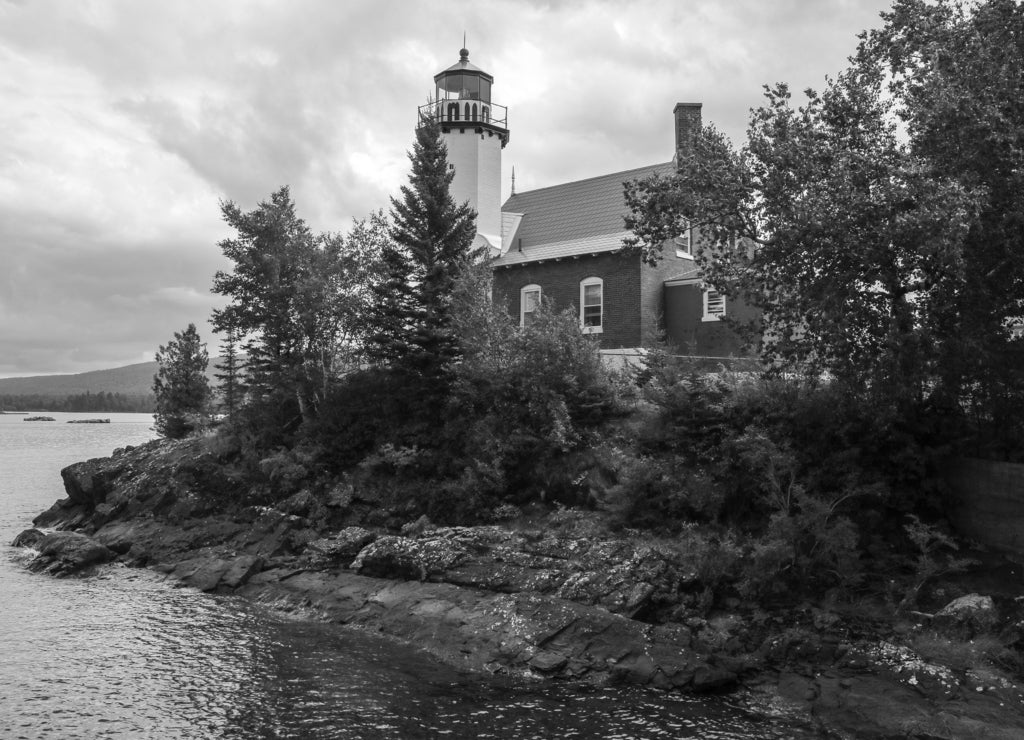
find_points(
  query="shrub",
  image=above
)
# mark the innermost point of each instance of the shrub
(524, 400)
(285, 471)
(661, 495)
(366, 410)
(934, 557)
(268, 422)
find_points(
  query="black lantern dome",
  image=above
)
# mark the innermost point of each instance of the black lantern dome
(463, 98)
(464, 81)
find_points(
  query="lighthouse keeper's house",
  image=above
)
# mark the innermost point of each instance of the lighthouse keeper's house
(563, 244)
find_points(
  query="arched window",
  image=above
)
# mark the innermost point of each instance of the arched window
(467, 111)
(529, 302)
(474, 111)
(485, 113)
(453, 111)
(592, 305)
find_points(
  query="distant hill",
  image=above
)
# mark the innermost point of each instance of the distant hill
(130, 380)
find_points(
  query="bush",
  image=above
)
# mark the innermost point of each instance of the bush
(268, 422)
(661, 495)
(366, 410)
(524, 399)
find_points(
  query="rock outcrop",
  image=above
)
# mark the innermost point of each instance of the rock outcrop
(548, 600)
(967, 616)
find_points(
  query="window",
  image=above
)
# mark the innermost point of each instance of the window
(592, 305)
(684, 242)
(714, 305)
(529, 302)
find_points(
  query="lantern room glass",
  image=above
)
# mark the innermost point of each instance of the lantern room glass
(463, 86)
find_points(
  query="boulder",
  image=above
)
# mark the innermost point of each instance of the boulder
(103, 513)
(29, 538)
(64, 514)
(407, 559)
(342, 548)
(119, 536)
(83, 483)
(300, 504)
(241, 570)
(204, 574)
(64, 553)
(967, 616)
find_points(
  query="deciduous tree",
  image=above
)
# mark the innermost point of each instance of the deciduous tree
(845, 238)
(296, 297)
(955, 74)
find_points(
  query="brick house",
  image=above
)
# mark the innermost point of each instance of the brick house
(562, 244)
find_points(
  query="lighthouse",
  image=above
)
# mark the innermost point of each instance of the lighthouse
(475, 130)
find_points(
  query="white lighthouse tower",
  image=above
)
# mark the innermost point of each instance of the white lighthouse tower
(475, 131)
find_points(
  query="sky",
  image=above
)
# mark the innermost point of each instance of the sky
(125, 123)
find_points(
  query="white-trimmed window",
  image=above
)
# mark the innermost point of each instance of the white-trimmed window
(592, 305)
(714, 305)
(529, 302)
(684, 242)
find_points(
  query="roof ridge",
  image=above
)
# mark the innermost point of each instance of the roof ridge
(588, 179)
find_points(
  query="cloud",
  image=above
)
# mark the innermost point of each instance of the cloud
(125, 123)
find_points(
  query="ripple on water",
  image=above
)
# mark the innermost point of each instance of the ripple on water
(125, 655)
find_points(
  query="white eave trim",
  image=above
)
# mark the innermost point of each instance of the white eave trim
(682, 281)
(561, 250)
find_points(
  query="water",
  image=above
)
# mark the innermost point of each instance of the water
(124, 654)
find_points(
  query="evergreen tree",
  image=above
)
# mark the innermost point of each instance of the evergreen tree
(180, 385)
(412, 327)
(232, 367)
(271, 255)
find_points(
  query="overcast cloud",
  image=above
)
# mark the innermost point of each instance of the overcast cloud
(123, 124)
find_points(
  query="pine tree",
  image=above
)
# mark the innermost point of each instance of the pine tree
(412, 325)
(180, 385)
(232, 367)
(270, 254)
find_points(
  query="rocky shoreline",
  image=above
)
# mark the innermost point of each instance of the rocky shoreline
(557, 597)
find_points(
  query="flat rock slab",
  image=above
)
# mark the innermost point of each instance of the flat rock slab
(480, 630)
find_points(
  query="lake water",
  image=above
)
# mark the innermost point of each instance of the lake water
(125, 654)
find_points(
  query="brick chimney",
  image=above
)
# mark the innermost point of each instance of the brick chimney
(687, 127)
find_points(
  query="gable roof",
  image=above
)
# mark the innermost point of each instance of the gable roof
(574, 212)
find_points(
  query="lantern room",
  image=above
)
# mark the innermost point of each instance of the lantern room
(463, 81)
(463, 97)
